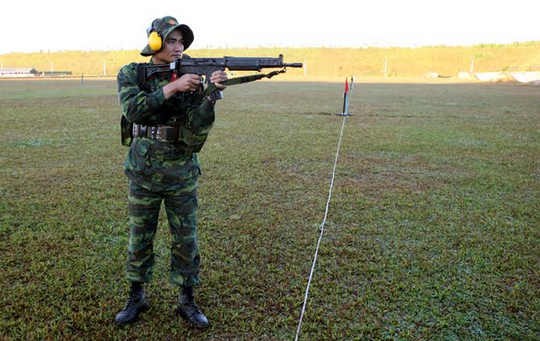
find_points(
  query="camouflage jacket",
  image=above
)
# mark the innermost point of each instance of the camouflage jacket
(154, 164)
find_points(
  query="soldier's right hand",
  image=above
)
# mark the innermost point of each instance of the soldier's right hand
(186, 83)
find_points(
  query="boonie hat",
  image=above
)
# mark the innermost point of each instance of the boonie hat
(164, 26)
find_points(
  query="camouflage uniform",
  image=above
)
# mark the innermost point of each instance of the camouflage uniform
(163, 171)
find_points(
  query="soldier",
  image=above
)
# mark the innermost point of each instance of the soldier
(170, 122)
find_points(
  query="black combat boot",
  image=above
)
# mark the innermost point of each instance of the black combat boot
(189, 310)
(135, 305)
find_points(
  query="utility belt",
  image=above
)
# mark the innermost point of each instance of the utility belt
(161, 133)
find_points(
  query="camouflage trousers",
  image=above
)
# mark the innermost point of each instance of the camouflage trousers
(181, 209)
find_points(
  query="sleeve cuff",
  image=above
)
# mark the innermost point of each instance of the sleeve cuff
(156, 99)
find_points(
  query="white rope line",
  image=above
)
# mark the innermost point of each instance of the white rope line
(322, 232)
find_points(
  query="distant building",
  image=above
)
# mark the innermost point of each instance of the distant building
(18, 72)
(31, 72)
(54, 73)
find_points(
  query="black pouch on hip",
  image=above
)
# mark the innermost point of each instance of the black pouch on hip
(126, 131)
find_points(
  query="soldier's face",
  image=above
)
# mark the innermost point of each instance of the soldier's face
(173, 47)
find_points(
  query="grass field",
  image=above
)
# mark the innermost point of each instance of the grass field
(433, 229)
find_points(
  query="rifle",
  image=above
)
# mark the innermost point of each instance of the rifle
(206, 66)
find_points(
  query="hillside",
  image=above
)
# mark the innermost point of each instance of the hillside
(327, 63)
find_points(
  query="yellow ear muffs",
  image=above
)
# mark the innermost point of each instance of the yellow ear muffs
(154, 41)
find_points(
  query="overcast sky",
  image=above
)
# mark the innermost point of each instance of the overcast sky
(52, 25)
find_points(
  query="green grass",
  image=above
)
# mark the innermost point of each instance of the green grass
(432, 230)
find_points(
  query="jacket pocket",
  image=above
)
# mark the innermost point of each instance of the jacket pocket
(138, 160)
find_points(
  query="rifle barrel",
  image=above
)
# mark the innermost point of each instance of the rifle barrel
(293, 64)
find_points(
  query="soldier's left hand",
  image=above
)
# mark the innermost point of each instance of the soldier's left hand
(218, 77)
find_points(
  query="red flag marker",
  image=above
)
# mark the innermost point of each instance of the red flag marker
(346, 99)
(346, 96)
